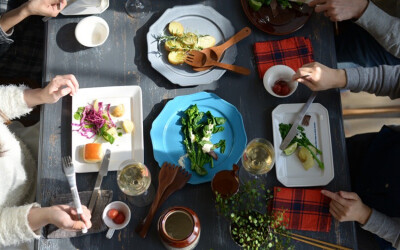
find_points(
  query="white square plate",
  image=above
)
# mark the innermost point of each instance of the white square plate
(289, 169)
(125, 147)
(76, 7)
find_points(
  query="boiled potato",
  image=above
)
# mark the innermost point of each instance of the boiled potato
(190, 39)
(205, 42)
(176, 57)
(172, 45)
(128, 126)
(118, 111)
(306, 158)
(175, 28)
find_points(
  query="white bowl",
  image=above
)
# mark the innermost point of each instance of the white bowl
(279, 72)
(120, 206)
(92, 31)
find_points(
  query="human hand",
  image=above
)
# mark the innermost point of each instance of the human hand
(66, 217)
(45, 7)
(339, 10)
(58, 87)
(320, 77)
(347, 206)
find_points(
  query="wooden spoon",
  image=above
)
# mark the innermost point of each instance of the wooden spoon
(217, 51)
(181, 178)
(199, 59)
(165, 178)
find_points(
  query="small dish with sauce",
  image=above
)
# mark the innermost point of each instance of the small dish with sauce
(278, 81)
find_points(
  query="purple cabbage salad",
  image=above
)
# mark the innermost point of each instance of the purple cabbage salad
(94, 119)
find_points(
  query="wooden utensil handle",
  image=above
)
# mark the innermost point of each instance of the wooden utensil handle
(234, 68)
(246, 31)
(143, 228)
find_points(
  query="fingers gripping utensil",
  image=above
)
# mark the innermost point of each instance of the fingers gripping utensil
(199, 59)
(216, 52)
(293, 130)
(165, 178)
(181, 178)
(69, 172)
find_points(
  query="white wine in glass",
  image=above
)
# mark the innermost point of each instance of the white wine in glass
(259, 157)
(134, 179)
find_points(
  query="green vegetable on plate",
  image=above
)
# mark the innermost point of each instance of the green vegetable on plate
(197, 128)
(300, 140)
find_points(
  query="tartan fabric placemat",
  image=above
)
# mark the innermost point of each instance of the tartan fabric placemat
(305, 209)
(293, 52)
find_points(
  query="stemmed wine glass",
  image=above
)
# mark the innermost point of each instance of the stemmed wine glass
(134, 179)
(136, 8)
(257, 160)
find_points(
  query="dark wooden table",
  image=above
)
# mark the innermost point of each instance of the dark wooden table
(122, 60)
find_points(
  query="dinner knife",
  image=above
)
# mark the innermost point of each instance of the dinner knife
(293, 130)
(102, 172)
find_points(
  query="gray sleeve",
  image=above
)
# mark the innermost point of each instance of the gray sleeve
(385, 227)
(383, 80)
(383, 27)
(5, 40)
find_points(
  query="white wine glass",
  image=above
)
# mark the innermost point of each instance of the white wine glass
(134, 179)
(136, 8)
(258, 159)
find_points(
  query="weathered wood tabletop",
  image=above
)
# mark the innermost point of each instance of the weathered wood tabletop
(121, 61)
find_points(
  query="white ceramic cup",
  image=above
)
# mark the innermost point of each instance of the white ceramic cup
(92, 31)
(120, 206)
(279, 72)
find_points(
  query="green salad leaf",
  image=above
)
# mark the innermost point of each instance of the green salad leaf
(197, 128)
(301, 140)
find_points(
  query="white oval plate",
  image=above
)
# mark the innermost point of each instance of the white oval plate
(198, 19)
(289, 169)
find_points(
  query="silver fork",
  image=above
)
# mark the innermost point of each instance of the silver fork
(69, 172)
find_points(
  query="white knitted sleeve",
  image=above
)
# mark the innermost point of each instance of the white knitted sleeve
(12, 101)
(14, 226)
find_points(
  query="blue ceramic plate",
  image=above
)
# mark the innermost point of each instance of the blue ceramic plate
(167, 137)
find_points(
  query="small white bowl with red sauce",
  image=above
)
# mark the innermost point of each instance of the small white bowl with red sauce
(278, 81)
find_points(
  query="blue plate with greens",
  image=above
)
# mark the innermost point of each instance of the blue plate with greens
(167, 137)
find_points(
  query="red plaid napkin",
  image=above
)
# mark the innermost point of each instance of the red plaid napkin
(305, 209)
(293, 52)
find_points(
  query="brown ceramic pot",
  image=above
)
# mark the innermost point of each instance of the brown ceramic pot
(179, 228)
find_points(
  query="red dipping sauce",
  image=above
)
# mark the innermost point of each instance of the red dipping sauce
(281, 88)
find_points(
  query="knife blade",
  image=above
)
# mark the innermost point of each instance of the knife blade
(293, 130)
(102, 172)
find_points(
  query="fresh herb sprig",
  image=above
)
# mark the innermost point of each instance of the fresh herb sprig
(197, 128)
(249, 228)
(301, 140)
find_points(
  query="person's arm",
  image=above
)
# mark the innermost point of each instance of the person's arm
(340, 10)
(347, 206)
(16, 101)
(383, 80)
(23, 223)
(58, 87)
(32, 7)
(383, 27)
(385, 227)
